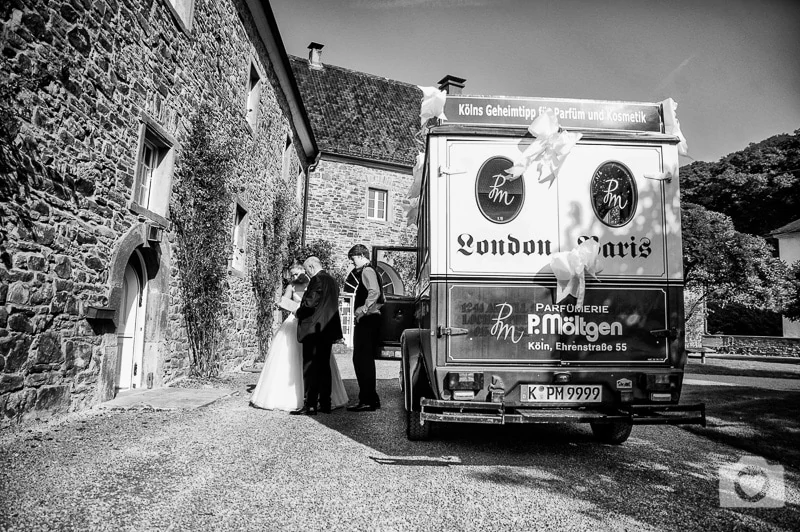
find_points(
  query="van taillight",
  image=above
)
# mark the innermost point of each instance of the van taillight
(661, 382)
(464, 381)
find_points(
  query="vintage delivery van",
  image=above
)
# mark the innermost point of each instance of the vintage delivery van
(494, 340)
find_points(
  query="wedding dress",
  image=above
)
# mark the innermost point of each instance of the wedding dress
(280, 386)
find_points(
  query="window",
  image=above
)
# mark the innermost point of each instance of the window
(286, 169)
(376, 204)
(153, 178)
(239, 239)
(253, 96)
(182, 10)
(147, 166)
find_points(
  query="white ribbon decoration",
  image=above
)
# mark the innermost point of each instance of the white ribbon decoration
(412, 211)
(571, 267)
(432, 104)
(548, 151)
(672, 126)
(416, 183)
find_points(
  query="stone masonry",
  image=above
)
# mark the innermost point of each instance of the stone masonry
(337, 198)
(79, 79)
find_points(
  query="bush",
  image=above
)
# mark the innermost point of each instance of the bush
(270, 261)
(738, 319)
(200, 207)
(324, 251)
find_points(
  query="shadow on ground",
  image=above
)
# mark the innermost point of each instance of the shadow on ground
(773, 371)
(762, 422)
(554, 458)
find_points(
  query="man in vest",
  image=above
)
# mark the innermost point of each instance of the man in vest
(367, 303)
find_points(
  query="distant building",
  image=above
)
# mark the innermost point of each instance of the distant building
(96, 103)
(365, 127)
(789, 251)
(367, 130)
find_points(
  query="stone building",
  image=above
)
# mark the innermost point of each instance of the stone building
(97, 101)
(367, 129)
(368, 132)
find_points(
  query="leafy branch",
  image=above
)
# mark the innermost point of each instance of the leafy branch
(200, 208)
(270, 257)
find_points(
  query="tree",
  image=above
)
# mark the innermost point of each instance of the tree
(762, 178)
(737, 319)
(727, 266)
(756, 190)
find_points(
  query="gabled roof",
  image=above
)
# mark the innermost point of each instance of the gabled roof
(793, 227)
(360, 115)
(267, 28)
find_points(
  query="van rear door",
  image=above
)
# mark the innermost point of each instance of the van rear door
(499, 235)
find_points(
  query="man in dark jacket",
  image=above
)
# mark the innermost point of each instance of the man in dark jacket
(367, 304)
(318, 328)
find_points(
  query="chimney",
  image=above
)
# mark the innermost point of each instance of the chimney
(314, 53)
(451, 84)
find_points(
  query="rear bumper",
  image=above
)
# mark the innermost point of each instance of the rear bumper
(500, 414)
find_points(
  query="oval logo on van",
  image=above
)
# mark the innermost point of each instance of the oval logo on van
(499, 198)
(614, 194)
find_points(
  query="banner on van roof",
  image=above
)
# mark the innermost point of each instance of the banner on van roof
(584, 114)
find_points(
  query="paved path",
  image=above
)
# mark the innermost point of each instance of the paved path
(165, 398)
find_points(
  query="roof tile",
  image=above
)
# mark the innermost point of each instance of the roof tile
(792, 227)
(358, 114)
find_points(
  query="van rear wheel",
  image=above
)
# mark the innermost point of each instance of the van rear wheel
(614, 433)
(414, 430)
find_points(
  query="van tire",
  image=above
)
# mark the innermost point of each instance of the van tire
(613, 433)
(414, 430)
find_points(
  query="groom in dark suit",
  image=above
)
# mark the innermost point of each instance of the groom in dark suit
(318, 327)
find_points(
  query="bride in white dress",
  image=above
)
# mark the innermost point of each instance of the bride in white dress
(280, 386)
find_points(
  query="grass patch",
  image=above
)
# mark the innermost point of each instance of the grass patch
(744, 369)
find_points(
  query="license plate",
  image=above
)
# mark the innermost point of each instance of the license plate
(566, 393)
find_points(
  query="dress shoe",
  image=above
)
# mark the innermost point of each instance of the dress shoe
(324, 409)
(363, 407)
(305, 411)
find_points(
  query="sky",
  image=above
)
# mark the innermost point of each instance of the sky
(733, 66)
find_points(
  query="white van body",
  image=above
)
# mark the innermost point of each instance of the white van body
(494, 342)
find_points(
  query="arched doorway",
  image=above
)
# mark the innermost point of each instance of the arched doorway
(388, 277)
(391, 282)
(132, 318)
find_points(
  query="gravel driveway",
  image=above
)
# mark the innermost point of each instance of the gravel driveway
(229, 466)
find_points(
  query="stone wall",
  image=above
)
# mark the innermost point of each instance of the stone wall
(753, 345)
(337, 206)
(695, 315)
(78, 78)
